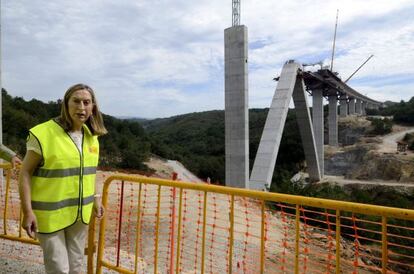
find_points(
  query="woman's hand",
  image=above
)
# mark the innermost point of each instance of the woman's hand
(98, 209)
(30, 162)
(30, 224)
(15, 161)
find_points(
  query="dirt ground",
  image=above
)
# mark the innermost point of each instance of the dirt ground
(280, 231)
(389, 141)
(280, 234)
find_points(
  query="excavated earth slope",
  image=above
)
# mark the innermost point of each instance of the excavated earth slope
(369, 158)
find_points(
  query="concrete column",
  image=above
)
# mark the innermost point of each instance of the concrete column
(304, 120)
(358, 107)
(343, 105)
(1, 103)
(333, 120)
(236, 107)
(363, 108)
(351, 106)
(265, 160)
(318, 126)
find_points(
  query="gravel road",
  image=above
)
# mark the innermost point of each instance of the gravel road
(389, 141)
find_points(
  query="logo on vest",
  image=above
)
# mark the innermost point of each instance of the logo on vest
(93, 150)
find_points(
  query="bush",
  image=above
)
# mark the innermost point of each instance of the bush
(381, 126)
(403, 112)
(409, 139)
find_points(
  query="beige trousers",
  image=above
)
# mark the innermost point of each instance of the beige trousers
(63, 251)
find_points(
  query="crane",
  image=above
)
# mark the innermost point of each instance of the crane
(372, 55)
(236, 13)
(334, 40)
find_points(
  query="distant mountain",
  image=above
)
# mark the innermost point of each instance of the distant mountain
(389, 103)
(134, 119)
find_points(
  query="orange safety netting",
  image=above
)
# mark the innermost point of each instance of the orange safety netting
(210, 236)
(150, 227)
(10, 217)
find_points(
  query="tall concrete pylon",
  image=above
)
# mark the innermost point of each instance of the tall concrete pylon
(318, 126)
(364, 108)
(333, 120)
(351, 106)
(1, 88)
(290, 85)
(343, 105)
(236, 106)
(358, 106)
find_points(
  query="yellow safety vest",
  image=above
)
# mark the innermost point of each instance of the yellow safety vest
(64, 185)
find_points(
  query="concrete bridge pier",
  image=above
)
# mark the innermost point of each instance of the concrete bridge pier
(289, 86)
(343, 105)
(358, 106)
(363, 108)
(304, 120)
(318, 126)
(236, 107)
(333, 120)
(351, 106)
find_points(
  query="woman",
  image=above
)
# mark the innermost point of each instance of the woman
(9, 155)
(57, 180)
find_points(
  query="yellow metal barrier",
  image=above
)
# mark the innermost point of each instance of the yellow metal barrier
(262, 233)
(149, 227)
(10, 225)
(8, 190)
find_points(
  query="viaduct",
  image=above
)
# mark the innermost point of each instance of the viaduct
(294, 83)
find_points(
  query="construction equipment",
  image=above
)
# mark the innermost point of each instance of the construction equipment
(372, 55)
(236, 13)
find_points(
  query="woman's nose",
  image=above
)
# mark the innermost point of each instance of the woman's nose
(81, 105)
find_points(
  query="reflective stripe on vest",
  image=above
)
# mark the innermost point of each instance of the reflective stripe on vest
(61, 204)
(65, 184)
(59, 173)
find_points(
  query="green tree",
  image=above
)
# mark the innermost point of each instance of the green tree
(381, 126)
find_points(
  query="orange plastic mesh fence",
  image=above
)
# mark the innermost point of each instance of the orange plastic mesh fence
(14, 243)
(161, 226)
(218, 231)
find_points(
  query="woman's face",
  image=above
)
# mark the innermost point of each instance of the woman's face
(80, 107)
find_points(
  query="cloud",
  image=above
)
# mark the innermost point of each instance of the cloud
(161, 58)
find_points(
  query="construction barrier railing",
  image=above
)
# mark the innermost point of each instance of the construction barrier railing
(165, 226)
(21, 247)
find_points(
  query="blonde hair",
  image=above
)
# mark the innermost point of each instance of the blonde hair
(95, 121)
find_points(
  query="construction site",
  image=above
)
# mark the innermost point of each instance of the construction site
(157, 225)
(172, 223)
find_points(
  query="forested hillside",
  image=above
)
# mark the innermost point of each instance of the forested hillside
(197, 140)
(402, 112)
(125, 146)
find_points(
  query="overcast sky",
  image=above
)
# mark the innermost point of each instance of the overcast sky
(159, 58)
